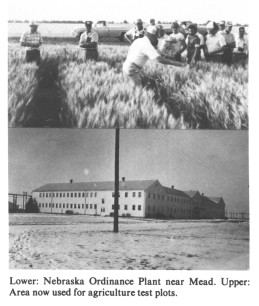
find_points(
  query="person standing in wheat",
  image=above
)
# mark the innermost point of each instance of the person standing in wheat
(140, 52)
(89, 42)
(32, 40)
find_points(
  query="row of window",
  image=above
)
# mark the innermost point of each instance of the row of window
(67, 194)
(126, 194)
(169, 198)
(172, 210)
(68, 206)
(133, 207)
(82, 206)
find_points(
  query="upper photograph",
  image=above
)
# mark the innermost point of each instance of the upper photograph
(117, 64)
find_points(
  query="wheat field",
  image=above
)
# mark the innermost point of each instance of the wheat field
(66, 91)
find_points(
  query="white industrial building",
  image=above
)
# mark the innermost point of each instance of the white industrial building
(145, 198)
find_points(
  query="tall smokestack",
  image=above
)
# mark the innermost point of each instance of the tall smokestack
(71, 181)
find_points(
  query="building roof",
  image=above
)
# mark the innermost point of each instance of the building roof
(191, 193)
(215, 199)
(173, 191)
(96, 186)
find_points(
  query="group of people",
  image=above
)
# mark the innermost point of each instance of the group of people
(153, 43)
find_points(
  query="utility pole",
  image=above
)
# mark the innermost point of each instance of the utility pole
(116, 182)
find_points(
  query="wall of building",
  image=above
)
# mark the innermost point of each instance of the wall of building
(91, 202)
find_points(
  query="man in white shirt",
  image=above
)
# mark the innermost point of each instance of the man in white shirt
(32, 40)
(179, 39)
(215, 43)
(242, 41)
(230, 44)
(140, 52)
(137, 32)
(88, 42)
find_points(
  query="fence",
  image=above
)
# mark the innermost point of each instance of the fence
(237, 215)
(18, 201)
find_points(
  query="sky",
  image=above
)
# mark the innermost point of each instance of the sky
(117, 10)
(213, 162)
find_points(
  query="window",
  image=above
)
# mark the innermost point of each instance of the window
(39, 204)
(64, 194)
(134, 194)
(49, 205)
(139, 207)
(53, 205)
(78, 206)
(91, 206)
(125, 207)
(154, 195)
(67, 194)
(71, 194)
(67, 205)
(112, 206)
(71, 206)
(95, 194)
(133, 207)
(74, 206)
(139, 194)
(60, 194)
(149, 195)
(95, 206)
(102, 201)
(83, 206)
(59, 205)
(64, 205)
(91, 195)
(43, 194)
(83, 195)
(79, 194)
(103, 210)
(40, 195)
(86, 206)
(42, 205)
(126, 194)
(75, 194)
(56, 194)
(46, 195)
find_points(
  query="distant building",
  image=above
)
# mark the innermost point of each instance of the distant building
(146, 198)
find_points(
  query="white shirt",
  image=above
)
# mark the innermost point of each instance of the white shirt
(242, 43)
(141, 51)
(92, 35)
(214, 42)
(178, 36)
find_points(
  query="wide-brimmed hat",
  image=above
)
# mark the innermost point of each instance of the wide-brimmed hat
(210, 25)
(175, 25)
(88, 23)
(33, 23)
(139, 21)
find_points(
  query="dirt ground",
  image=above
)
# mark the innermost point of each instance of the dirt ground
(43, 241)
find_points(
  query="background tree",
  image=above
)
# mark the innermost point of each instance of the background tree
(32, 206)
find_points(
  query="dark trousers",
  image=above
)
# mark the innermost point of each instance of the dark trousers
(91, 54)
(227, 56)
(33, 56)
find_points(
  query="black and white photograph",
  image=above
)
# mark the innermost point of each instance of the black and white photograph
(182, 199)
(131, 152)
(128, 64)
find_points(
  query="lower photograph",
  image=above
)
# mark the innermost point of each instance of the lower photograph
(122, 199)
